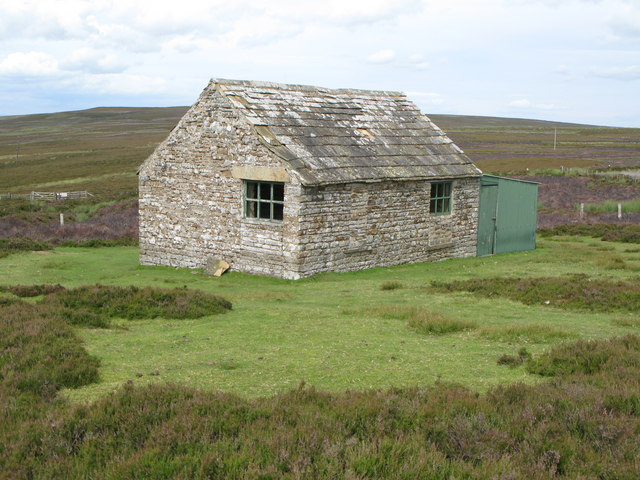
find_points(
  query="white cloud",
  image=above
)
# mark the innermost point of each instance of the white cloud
(126, 84)
(30, 64)
(526, 104)
(624, 21)
(631, 72)
(474, 54)
(187, 43)
(90, 60)
(382, 56)
(259, 31)
(339, 12)
(418, 62)
(547, 106)
(522, 103)
(426, 98)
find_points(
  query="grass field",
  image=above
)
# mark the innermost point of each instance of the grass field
(334, 331)
(508, 145)
(137, 398)
(98, 150)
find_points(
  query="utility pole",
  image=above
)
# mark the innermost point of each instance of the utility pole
(555, 137)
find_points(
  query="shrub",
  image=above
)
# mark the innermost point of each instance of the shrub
(421, 320)
(136, 303)
(608, 232)
(626, 321)
(588, 357)
(98, 243)
(518, 431)
(431, 323)
(576, 292)
(20, 244)
(577, 426)
(395, 312)
(41, 354)
(524, 333)
(391, 285)
(80, 317)
(34, 290)
(513, 361)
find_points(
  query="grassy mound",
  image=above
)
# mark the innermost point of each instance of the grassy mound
(577, 292)
(18, 244)
(532, 333)
(40, 353)
(421, 320)
(608, 232)
(431, 323)
(135, 303)
(589, 357)
(32, 290)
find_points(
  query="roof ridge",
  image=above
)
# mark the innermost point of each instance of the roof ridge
(308, 88)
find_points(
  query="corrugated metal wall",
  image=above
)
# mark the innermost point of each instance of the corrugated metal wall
(508, 215)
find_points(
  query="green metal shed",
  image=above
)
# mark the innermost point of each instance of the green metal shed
(507, 216)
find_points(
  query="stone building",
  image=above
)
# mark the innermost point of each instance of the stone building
(291, 180)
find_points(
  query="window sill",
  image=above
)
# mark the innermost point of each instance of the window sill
(261, 221)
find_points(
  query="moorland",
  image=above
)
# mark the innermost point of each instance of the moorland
(523, 365)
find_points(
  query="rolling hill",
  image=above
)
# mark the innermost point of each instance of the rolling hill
(99, 149)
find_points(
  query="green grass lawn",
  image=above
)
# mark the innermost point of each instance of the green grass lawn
(331, 330)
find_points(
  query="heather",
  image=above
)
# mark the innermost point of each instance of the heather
(133, 302)
(574, 292)
(608, 232)
(85, 224)
(583, 423)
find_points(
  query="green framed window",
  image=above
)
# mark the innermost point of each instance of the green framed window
(264, 200)
(440, 203)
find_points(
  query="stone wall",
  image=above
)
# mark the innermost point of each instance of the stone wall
(356, 226)
(191, 203)
(191, 194)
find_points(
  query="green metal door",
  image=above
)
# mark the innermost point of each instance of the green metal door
(506, 216)
(487, 216)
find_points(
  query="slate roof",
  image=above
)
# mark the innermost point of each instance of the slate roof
(337, 136)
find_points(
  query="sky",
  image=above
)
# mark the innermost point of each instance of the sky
(562, 60)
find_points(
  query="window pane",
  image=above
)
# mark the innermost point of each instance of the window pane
(252, 190)
(278, 211)
(265, 210)
(265, 191)
(440, 198)
(264, 200)
(251, 209)
(278, 192)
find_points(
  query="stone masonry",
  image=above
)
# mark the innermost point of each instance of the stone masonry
(352, 200)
